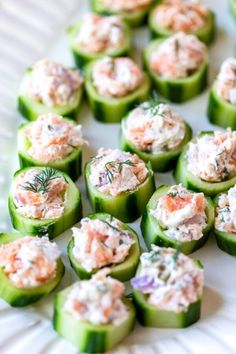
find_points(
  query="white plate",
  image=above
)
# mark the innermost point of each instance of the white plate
(29, 30)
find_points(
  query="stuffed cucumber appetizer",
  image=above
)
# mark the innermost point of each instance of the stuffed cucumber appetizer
(93, 314)
(208, 163)
(43, 201)
(101, 241)
(225, 222)
(50, 87)
(119, 183)
(51, 141)
(176, 217)
(155, 133)
(173, 16)
(96, 36)
(30, 268)
(134, 12)
(178, 66)
(222, 100)
(167, 289)
(114, 86)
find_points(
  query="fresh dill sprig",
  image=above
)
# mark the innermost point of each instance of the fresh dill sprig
(41, 181)
(113, 227)
(112, 167)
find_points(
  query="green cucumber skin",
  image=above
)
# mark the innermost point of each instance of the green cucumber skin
(181, 90)
(182, 175)
(220, 112)
(153, 234)
(123, 271)
(127, 206)
(162, 162)
(19, 297)
(85, 336)
(53, 227)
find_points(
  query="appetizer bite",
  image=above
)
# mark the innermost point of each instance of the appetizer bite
(191, 17)
(222, 99)
(96, 36)
(208, 162)
(114, 86)
(30, 268)
(134, 12)
(178, 66)
(167, 289)
(155, 133)
(225, 221)
(50, 87)
(176, 217)
(52, 141)
(101, 241)
(94, 314)
(119, 183)
(43, 201)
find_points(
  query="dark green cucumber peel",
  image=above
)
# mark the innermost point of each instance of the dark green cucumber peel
(122, 271)
(19, 297)
(127, 206)
(51, 227)
(179, 90)
(184, 176)
(220, 112)
(112, 110)
(71, 164)
(206, 34)
(85, 336)
(154, 234)
(161, 162)
(82, 57)
(31, 109)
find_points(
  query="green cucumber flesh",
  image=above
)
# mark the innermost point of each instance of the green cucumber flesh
(233, 8)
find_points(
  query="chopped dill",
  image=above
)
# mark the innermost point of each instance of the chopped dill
(112, 167)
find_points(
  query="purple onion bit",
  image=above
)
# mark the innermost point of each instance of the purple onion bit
(143, 282)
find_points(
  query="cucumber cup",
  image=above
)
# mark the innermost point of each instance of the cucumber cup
(19, 297)
(121, 271)
(153, 233)
(50, 227)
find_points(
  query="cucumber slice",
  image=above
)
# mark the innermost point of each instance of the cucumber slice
(161, 162)
(82, 57)
(180, 90)
(154, 234)
(233, 8)
(205, 34)
(150, 316)
(220, 112)
(71, 164)
(85, 336)
(184, 176)
(122, 271)
(31, 109)
(19, 297)
(49, 227)
(109, 109)
(127, 206)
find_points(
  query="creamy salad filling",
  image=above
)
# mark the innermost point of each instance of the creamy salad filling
(53, 85)
(116, 77)
(29, 261)
(99, 34)
(40, 194)
(181, 214)
(98, 300)
(212, 158)
(98, 243)
(113, 171)
(126, 5)
(180, 15)
(226, 211)
(170, 280)
(154, 128)
(226, 81)
(178, 56)
(52, 138)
